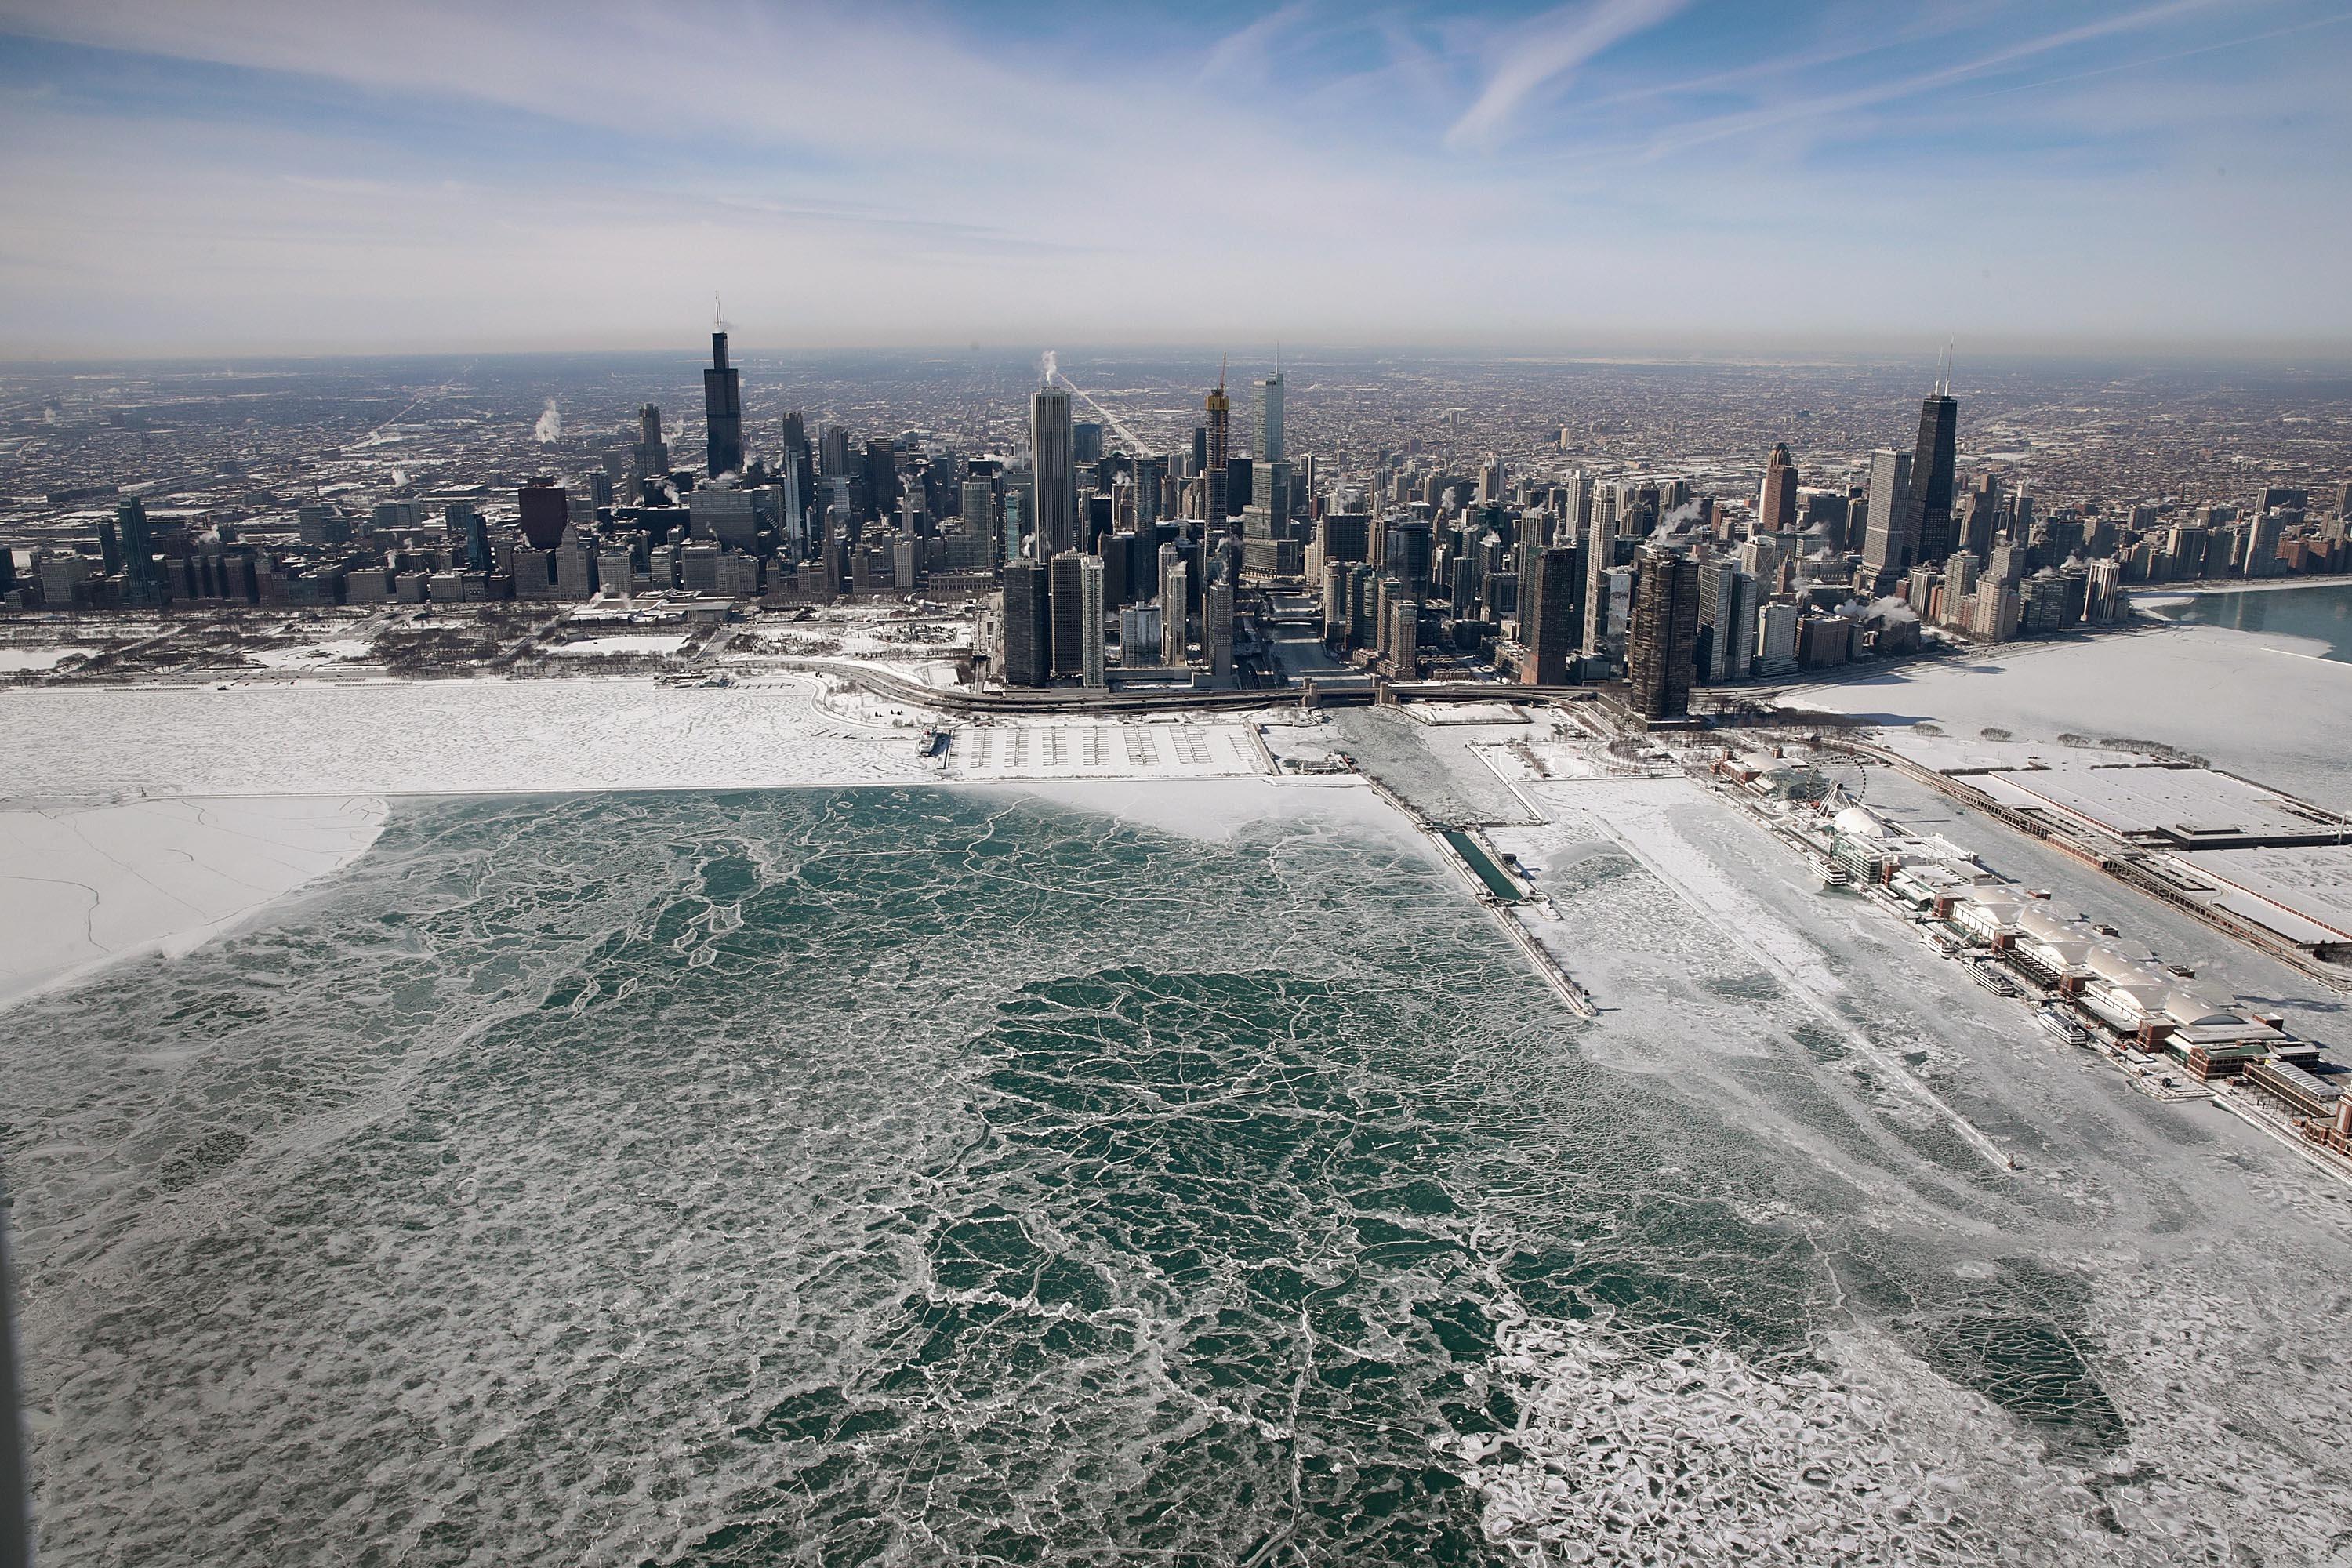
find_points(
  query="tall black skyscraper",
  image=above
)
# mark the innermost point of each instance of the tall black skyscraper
(1028, 626)
(1931, 474)
(1662, 649)
(722, 411)
(1551, 612)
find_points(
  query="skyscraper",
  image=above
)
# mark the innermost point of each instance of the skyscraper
(545, 512)
(466, 523)
(1661, 646)
(1576, 505)
(1028, 626)
(1269, 419)
(1090, 619)
(1070, 624)
(1931, 476)
(1600, 556)
(142, 584)
(1051, 459)
(1217, 455)
(722, 411)
(1217, 629)
(1777, 511)
(651, 453)
(1892, 537)
(1551, 620)
(1726, 619)
(1175, 615)
(1405, 636)
(1148, 472)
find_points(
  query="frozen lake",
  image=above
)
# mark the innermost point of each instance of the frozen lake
(914, 1172)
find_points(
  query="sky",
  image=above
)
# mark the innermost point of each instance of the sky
(222, 176)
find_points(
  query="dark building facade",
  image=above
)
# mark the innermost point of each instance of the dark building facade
(1777, 515)
(1551, 614)
(1028, 626)
(1662, 647)
(546, 511)
(1931, 478)
(722, 411)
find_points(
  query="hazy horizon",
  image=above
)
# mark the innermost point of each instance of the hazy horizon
(259, 177)
(1253, 356)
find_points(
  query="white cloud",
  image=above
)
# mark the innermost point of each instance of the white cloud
(1546, 51)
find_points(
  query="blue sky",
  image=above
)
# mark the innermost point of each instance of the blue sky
(216, 175)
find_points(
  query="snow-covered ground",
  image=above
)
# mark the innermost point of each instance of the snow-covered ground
(80, 888)
(642, 644)
(447, 737)
(15, 659)
(312, 654)
(1466, 713)
(1084, 748)
(2263, 707)
(2160, 592)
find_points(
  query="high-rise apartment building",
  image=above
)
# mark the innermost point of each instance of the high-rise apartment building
(1405, 636)
(1727, 618)
(1090, 619)
(1600, 556)
(1662, 645)
(1551, 613)
(1069, 621)
(1217, 629)
(1175, 611)
(1028, 626)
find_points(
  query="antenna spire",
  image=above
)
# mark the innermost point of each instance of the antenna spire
(1944, 387)
(717, 317)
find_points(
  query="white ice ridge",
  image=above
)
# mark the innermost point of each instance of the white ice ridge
(81, 889)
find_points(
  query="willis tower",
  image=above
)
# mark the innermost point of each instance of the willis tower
(722, 409)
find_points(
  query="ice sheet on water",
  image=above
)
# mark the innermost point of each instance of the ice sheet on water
(847, 1173)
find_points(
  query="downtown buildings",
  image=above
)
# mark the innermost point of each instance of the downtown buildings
(1417, 556)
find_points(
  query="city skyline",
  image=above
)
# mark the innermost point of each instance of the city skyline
(262, 178)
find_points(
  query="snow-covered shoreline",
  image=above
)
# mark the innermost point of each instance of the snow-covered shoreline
(473, 737)
(81, 888)
(2156, 592)
(2264, 707)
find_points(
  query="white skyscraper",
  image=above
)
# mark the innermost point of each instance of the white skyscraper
(1090, 619)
